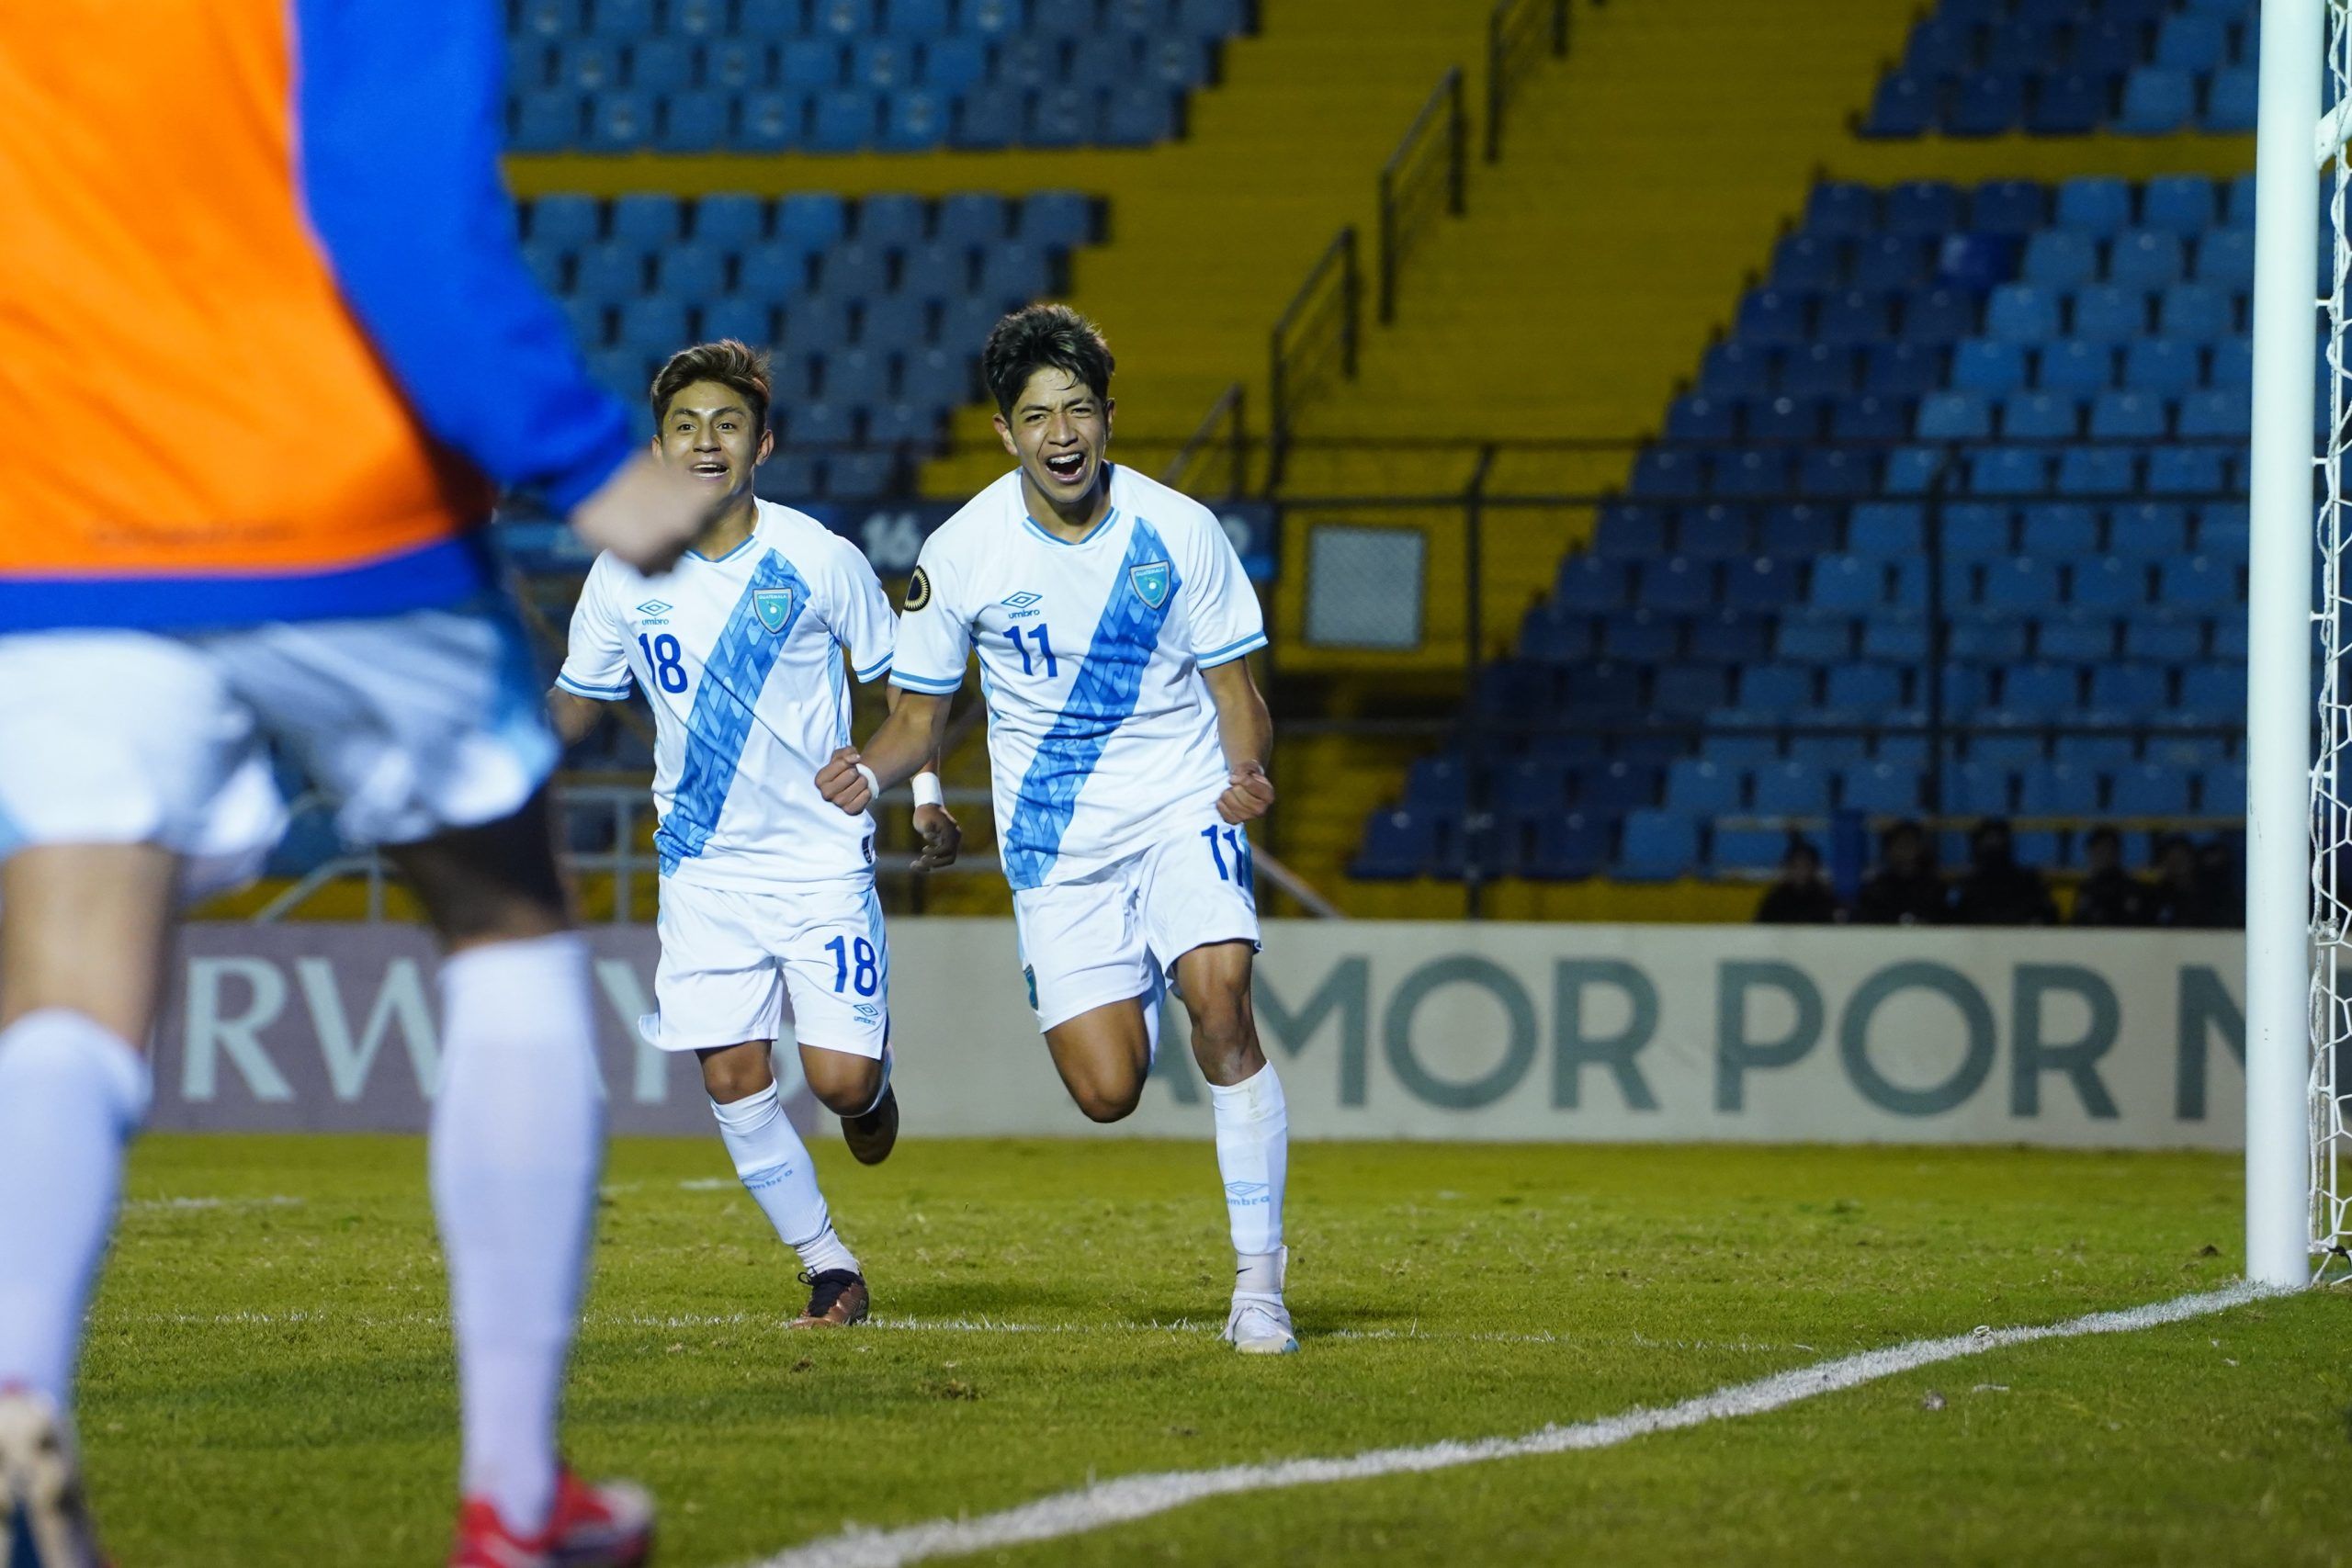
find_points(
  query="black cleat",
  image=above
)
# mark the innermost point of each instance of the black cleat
(837, 1298)
(872, 1137)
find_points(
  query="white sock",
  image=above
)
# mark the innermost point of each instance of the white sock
(517, 1141)
(777, 1173)
(1253, 1156)
(71, 1095)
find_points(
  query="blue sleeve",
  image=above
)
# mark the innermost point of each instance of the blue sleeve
(397, 110)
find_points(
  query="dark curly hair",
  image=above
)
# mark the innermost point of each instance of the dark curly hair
(1038, 337)
(736, 366)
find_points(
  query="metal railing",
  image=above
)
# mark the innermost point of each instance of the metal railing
(1223, 436)
(1315, 337)
(1426, 176)
(1520, 33)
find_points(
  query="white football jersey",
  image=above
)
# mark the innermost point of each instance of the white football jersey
(1100, 728)
(743, 660)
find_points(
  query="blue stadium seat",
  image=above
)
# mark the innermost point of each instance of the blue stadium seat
(1590, 584)
(1658, 846)
(1178, 64)
(1869, 417)
(618, 121)
(656, 326)
(1898, 637)
(2060, 258)
(1818, 639)
(1676, 583)
(746, 320)
(1801, 528)
(2008, 207)
(2058, 530)
(2126, 416)
(1396, 845)
(1902, 369)
(2149, 790)
(2221, 531)
(2021, 313)
(2231, 100)
(2142, 691)
(1956, 416)
(2096, 471)
(2196, 312)
(2099, 205)
(2216, 414)
(1530, 787)
(2042, 691)
(1986, 639)
(2146, 258)
(2198, 583)
(914, 120)
(1902, 104)
(661, 66)
(1887, 529)
(1866, 688)
(1929, 208)
(770, 122)
(1783, 419)
(1938, 315)
(893, 323)
(2076, 637)
(1792, 789)
(2164, 639)
(971, 217)
(2039, 416)
(2156, 100)
(881, 64)
(917, 18)
(844, 120)
(2162, 365)
(810, 64)
(1058, 218)
(954, 64)
(2188, 470)
(2024, 583)
(1551, 636)
(2225, 258)
(1619, 785)
(1139, 116)
(2111, 313)
(1849, 582)
(1730, 635)
(546, 121)
(1880, 789)
(990, 118)
(2191, 42)
(1015, 273)
(2067, 103)
(621, 19)
(2179, 204)
(2007, 470)
(1854, 316)
(1716, 532)
(737, 65)
(773, 271)
(1983, 366)
(2213, 693)
(2074, 364)
(1973, 530)
(565, 221)
(1841, 209)
(818, 425)
(1640, 635)
(731, 219)
(1986, 103)
(691, 270)
(841, 19)
(1777, 318)
(1805, 260)
(1704, 788)
(609, 271)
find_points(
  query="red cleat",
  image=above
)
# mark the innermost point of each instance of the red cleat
(609, 1525)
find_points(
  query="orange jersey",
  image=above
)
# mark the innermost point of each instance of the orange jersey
(258, 292)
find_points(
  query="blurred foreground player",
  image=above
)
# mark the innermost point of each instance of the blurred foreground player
(768, 911)
(272, 341)
(1128, 745)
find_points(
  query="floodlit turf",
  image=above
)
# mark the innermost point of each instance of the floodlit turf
(268, 1383)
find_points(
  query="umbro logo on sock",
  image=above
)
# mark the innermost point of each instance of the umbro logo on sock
(1246, 1192)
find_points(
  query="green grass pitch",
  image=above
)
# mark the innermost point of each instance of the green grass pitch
(267, 1379)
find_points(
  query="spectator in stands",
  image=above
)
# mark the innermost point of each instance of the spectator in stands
(1802, 894)
(2186, 897)
(1905, 890)
(2110, 895)
(1998, 891)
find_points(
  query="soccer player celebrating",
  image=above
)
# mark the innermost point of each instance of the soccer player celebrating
(1127, 744)
(767, 909)
(282, 311)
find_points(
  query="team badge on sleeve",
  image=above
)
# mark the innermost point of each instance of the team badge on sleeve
(1150, 583)
(917, 589)
(774, 606)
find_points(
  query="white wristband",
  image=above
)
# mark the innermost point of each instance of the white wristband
(873, 784)
(927, 790)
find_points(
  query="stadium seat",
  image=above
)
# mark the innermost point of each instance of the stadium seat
(1658, 846)
(2097, 205)
(2156, 100)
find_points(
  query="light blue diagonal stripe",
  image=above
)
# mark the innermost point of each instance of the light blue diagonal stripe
(1100, 699)
(720, 721)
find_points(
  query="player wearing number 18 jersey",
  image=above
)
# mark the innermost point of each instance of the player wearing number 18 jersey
(1128, 745)
(744, 650)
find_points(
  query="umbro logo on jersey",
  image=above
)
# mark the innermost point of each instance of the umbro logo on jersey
(774, 606)
(1023, 600)
(654, 607)
(1150, 583)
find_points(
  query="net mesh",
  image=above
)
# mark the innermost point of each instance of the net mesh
(2331, 929)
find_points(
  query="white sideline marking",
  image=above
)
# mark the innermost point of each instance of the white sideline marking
(1140, 1497)
(276, 1200)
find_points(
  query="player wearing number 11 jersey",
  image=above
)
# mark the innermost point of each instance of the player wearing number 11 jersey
(1128, 747)
(744, 651)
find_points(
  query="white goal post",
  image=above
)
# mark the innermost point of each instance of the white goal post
(2298, 807)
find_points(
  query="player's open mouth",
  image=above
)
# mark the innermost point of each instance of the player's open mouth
(708, 471)
(1066, 469)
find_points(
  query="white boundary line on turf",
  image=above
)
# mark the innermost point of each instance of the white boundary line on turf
(1133, 1497)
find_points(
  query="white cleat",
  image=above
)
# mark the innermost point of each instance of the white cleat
(1260, 1325)
(43, 1521)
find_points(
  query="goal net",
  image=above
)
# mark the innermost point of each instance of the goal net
(2330, 785)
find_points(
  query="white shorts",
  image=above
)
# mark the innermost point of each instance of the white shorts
(411, 724)
(1117, 932)
(739, 966)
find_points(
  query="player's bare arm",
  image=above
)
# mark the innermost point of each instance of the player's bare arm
(573, 716)
(907, 740)
(1247, 731)
(942, 835)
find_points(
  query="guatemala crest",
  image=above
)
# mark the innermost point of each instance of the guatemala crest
(774, 606)
(1150, 583)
